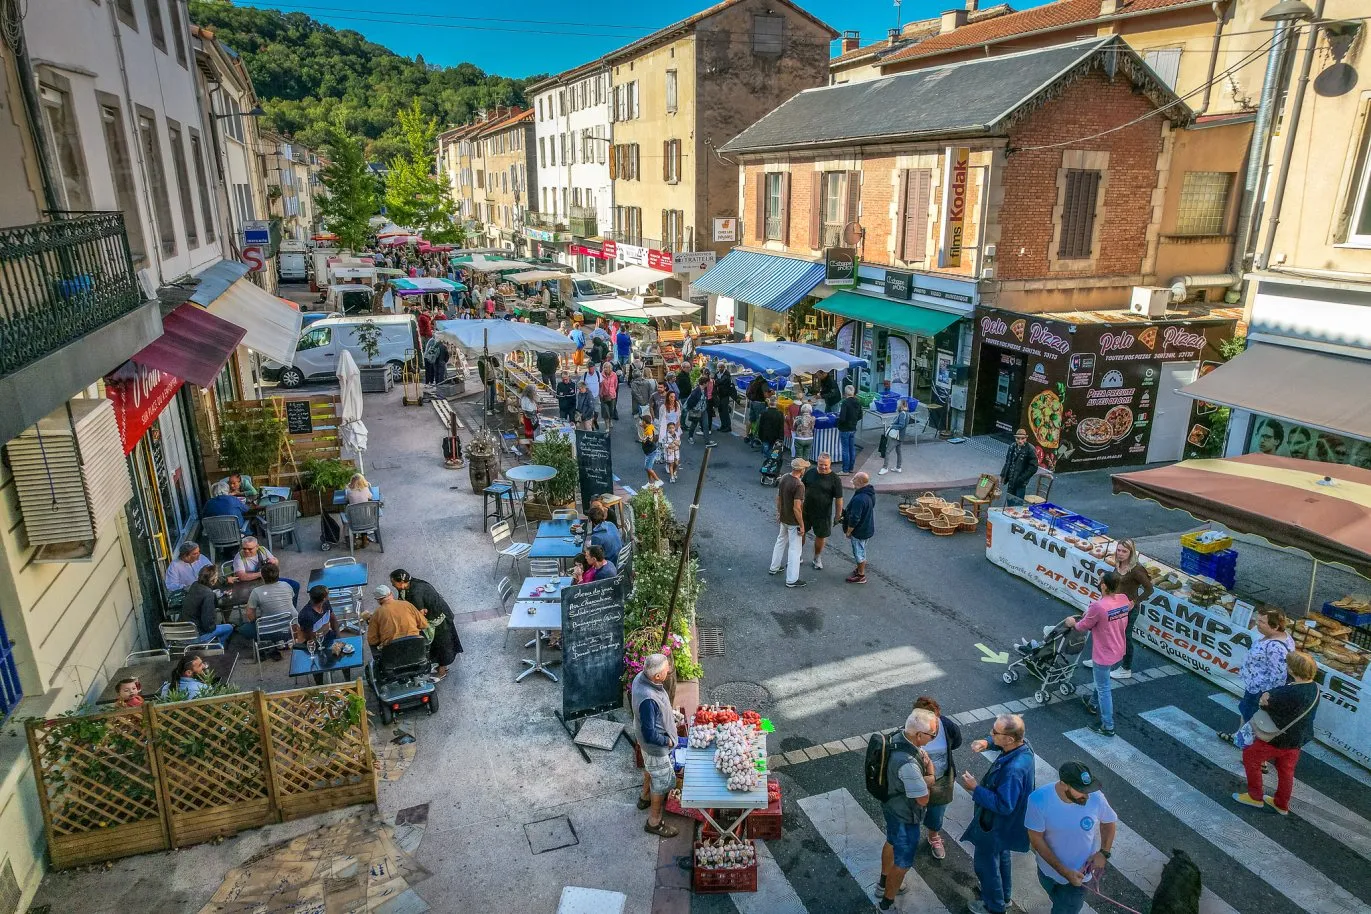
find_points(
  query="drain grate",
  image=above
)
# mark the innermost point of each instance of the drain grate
(710, 641)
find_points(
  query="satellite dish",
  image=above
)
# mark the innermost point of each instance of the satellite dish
(1337, 80)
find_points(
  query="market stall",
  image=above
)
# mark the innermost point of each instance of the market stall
(1192, 617)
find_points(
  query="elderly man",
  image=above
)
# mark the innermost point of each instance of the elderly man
(224, 504)
(823, 504)
(252, 557)
(186, 569)
(859, 524)
(908, 772)
(790, 513)
(997, 825)
(392, 619)
(656, 740)
(849, 418)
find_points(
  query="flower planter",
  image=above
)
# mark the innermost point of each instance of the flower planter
(376, 380)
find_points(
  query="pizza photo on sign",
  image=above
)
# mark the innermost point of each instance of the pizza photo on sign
(1094, 434)
(1148, 337)
(1017, 329)
(1119, 421)
(1045, 418)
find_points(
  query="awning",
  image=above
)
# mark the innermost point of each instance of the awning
(1322, 508)
(535, 276)
(774, 283)
(273, 327)
(194, 345)
(885, 313)
(782, 358)
(1323, 391)
(631, 279)
(617, 308)
(423, 285)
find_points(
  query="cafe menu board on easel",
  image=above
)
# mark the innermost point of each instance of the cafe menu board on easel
(593, 465)
(298, 420)
(592, 647)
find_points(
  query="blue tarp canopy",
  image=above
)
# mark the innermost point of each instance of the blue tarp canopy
(782, 359)
(765, 280)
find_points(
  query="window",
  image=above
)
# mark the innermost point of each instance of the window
(1358, 211)
(671, 161)
(1078, 213)
(673, 229)
(633, 99)
(480, 179)
(242, 201)
(1166, 63)
(178, 35)
(831, 209)
(126, 14)
(125, 190)
(602, 148)
(59, 117)
(542, 152)
(1204, 203)
(552, 150)
(178, 161)
(911, 243)
(156, 25)
(314, 338)
(198, 158)
(768, 35)
(561, 102)
(157, 177)
(670, 91)
(774, 213)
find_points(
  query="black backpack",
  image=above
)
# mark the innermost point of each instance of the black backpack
(879, 748)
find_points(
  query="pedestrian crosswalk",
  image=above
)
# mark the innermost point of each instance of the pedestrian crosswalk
(1168, 776)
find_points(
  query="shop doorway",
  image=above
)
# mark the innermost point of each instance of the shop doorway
(1000, 400)
(1171, 416)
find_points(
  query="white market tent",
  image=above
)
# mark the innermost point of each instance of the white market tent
(631, 279)
(499, 336)
(535, 275)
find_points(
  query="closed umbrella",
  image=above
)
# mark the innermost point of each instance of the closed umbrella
(352, 432)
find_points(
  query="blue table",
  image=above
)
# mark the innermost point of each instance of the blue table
(555, 528)
(340, 497)
(340, 577)
(303, 663)
(563, 549)
(531, 584)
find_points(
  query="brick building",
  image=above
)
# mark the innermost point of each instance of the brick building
(1027, 184)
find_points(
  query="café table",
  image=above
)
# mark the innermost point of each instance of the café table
(556, 528)
(539, 616)
(346, 581)
(151, 674)
(526, 590)
(235, 596)
(303, 663)
(561, 548)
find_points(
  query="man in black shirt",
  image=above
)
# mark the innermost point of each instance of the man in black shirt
(823, 504)
(566, 398)
(849, 418)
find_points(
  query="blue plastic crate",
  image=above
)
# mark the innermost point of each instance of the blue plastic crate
(1347, 616)
(1194, 562)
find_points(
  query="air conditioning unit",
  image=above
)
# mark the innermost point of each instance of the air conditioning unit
(989, 250)
(1149, 301)
(987, 272)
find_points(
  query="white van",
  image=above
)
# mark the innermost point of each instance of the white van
(349, 299)
(291, 264)
(316, 353)
(586, 287)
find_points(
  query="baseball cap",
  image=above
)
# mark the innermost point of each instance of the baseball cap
(1078, 777)
(381, 591)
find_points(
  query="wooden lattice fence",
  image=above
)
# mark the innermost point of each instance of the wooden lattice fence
(119, 783)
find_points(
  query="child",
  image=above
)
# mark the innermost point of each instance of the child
(648, 433)
(671, 449)
(128, 694)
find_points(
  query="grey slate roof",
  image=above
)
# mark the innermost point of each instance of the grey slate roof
(973, 97)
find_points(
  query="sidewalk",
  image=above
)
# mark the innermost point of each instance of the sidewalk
(931, 464)
(502, 782)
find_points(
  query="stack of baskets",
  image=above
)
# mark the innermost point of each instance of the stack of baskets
(943, 518)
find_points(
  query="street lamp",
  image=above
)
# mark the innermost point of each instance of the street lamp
(1288, 11)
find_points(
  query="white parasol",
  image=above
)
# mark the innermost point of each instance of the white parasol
(352, 432)
(498, 336)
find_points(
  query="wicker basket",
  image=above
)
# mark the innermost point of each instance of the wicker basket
(969, 521)
(924, 519)
(951, 511)
(941, 526)
(927, 500)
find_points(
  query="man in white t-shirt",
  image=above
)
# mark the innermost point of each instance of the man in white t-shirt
(1071, 827)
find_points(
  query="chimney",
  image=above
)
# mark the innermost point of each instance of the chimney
(892, 36)
(955, 19)
(972, 5)
(851, 41)
(1110, 7)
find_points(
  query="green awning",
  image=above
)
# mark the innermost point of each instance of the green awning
(883, 312)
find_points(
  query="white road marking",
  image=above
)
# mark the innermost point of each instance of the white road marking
(1323, 812)
(774, 893)
(1250, 848)
(857, 841)
(1319, 751)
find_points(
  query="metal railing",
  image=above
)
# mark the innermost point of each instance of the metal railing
(60, 281)
(545, 221)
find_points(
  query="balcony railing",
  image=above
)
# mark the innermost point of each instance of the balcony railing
(545, 221)
(583, 221)
(61, 280)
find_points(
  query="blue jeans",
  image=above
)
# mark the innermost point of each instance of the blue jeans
(933, 818)
(222, 633)
(1248, 705)
(903, 838)
(1066, 899)
(992, 866)
(1104, 695)
(849, 443)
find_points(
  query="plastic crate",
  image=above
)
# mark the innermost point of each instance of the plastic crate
(763, 824)
(705, 881)
(1361, 637)
(1347, 616)
(885, 406)
(673, 806)
(1192, 541)
(1221, 566)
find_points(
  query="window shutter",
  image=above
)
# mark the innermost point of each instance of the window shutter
(666, 230)
(759, 223)
(1078, 213)
(854, 199)
(613, 162)
(676, 158)
(785, 208)
(900, 225)
(816, 212)
(666, 163)
(914, 215)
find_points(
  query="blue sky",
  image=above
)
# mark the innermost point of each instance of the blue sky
(542, 36)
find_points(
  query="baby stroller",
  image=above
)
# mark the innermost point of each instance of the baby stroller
(1052, 661)
(771, 464)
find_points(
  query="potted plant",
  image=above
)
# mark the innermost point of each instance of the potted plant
(321, 479)
(252, 443)
(375, 379)
(560, 491)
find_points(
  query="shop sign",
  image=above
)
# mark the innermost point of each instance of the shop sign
(138, 394)
(692, 261)
(609, 249)
(257, 232)
(590, 252)
(1277, 436)
(726, 228)
(945, 296)
(1204, 640)
(840, 266)
(660, 260)
(898, 285)
(631, 255)
(254, 257)
(956, 169)
(546, 236)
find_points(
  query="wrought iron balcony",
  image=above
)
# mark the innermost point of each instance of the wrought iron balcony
(544, 221)
(60, 281)
(583, 221)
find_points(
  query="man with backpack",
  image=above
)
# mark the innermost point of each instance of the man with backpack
(997, 823)
(898, 772)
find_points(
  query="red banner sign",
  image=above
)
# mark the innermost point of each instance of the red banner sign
(610, 249)
(591, 252)
(139, 395)
(660, 260)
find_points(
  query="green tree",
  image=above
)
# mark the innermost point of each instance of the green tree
(352, 199)
(415, 196)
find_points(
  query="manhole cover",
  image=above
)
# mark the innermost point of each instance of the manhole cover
(710, 641)
(550, 834)
(742, 695)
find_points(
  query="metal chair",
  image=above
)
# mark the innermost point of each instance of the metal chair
(564, 514)
(146, 656)
(505, 590)
(363, 519)
(544, 568)
(502, 491)
(223, 532)
(276, 624)
(1042, 488)
(280, 520)
(505, 546)
(351, 595)
(205, 648)
(176, 601)
(177, 636)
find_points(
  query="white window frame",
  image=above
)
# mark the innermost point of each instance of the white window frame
(1361, 202)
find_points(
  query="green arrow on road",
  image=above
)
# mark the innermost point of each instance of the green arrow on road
(992, 656)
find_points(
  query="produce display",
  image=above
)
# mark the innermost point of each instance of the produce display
(724, 854)
(737, 754)
(700, 736)
(715, 714)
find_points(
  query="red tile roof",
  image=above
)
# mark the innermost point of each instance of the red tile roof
(1062, 14)
(920, 30)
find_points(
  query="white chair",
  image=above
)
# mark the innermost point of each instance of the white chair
(273, 633)
(544, 568)
(564, 514)
(505, 546)
(177, 636)
(505, 590)
(146, 657)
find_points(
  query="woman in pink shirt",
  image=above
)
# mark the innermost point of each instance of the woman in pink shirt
(1107, 620)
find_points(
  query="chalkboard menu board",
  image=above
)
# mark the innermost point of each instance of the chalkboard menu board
(298, 421)
(592, 647)
(593, 465)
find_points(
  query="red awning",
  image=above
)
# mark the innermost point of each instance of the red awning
(194, 345)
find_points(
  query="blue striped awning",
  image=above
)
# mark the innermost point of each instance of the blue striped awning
(774, 283)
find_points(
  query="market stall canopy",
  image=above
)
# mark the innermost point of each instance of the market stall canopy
(631, 279)
(765, 280)
(1321, 508)
(782, 359)
(1323, 391)
(535, 276)
(503, 336)
(423, 285)
(194, 345)
(680, 305)
(272, 325)
(391, 230)
(904, 316)
(388, 271)
(485, 265)
(618, 308)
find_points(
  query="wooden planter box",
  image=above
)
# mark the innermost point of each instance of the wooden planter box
(376, 380)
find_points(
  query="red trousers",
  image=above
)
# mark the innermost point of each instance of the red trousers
(1284, 760)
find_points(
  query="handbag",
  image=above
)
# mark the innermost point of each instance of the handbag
(1263, 727)
(940, 794)
(893, 433)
